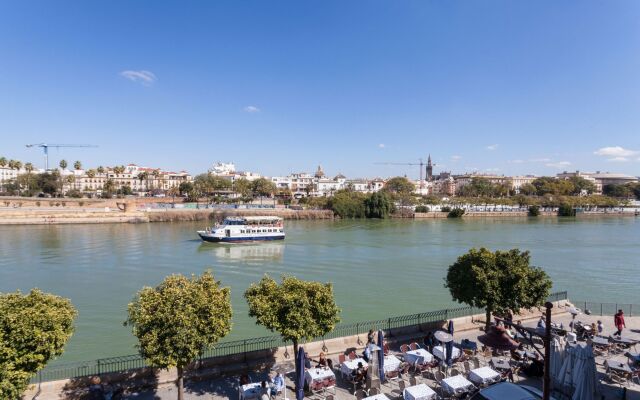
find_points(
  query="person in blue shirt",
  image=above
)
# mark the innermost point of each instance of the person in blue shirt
(278, 384)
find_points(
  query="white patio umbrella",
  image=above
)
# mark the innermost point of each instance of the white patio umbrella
(565, 377)
(557, 359)
(584, 374)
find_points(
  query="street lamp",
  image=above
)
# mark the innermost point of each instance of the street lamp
(495, 336)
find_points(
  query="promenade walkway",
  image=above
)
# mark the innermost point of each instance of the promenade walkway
(227, 387)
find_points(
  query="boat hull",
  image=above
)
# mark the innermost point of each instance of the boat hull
(215, 239)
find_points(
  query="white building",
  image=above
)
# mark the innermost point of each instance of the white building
(518, 181)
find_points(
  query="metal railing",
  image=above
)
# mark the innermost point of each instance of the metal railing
(608, 308)
(243, 346)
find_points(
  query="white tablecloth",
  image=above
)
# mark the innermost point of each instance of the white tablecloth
(391, 363)
(380, 396)
(483, 375)
(457, 384)
(348, 366)
(318, 374)
(439, 352)
(422, 356)
(418, 392)
(251, 391)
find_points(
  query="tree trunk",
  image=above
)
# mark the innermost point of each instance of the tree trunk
(295, 348)
(487, 323)
(180, 384)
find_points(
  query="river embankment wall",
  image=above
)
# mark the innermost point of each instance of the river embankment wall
(263, 360)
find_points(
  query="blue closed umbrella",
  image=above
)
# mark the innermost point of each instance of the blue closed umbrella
(300, 374)
(381, 355)
(449, 345)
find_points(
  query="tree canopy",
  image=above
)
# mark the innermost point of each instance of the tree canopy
(33, 330)
(498, 282)
(400, 186)
(296, 309)
(378, 205)
(177, 320)
(348, 204)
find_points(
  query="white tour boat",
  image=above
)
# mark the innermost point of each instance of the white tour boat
(245, 229)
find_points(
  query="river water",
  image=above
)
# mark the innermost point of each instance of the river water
(378, 268)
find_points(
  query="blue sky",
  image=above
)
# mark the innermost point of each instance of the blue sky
(510, 87)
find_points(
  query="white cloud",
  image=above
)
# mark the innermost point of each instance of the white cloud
(492, 147)
(251, 109)
(618, 159)
(147, 78)
(515, 161)
(559, 164)
(456, 158)
(615, 151)
(381, 146)
(540, 160)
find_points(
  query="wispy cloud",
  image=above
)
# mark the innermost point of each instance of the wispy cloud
(381, 146)
(615, 151)
(540, 160)
(251, 109)
(456, 158)
(516, 161)
(558, 164)
(530, 160)
(492, 147)
(146, 78)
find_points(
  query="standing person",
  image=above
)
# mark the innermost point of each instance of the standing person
(264, 391)
(600, 327)
(370, 336)
(618, 321)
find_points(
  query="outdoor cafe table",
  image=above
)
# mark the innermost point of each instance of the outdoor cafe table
(439, 352)
(484, 375)
(421, 356)
(250, 391)
(349, 366)
(526, 353)
(623, 340)
(618, 366)
(600, 341)
(380, 396)
(418, 392)
(457, 385)
(391, 363)
(500, 363)
(318, 374)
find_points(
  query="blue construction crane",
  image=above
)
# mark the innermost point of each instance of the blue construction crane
(46, 146)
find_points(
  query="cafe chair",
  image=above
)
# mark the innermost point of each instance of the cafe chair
(399, 392)
(404, 348)
(414, 346)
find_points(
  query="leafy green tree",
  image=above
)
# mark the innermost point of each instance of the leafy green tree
(534, 211)
(177, 320)
(581, 185)
(422, 209)
(100, 170)
(478, 187)
(399, 186)
(547, 185)
(528, 189)
(185, 187)
(242, 186)
(348, 204)
(378, 205)
(263, 187)
(621, 191)
(499, 281)
(456, 213)
(33, 330)
(3, 162)
(296, 309)
(108, 188)
(566, 210)
(48, 182)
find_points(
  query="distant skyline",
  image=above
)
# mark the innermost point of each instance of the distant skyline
(497, 86)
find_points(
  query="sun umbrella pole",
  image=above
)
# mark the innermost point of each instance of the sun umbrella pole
(546, 383)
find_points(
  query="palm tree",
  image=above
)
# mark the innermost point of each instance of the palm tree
(100, 170)
(143, 176)
(77, 165)
(91, 173)
(156, 174)
(17, 165)
(3, 163)
(29, 168)
(63, 164)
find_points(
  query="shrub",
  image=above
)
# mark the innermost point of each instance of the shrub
(566, 210)
(534, 211)
(81, 203)
(445, 209)
(455, 213)
(422, 209)
(38, 203)
(74, 193)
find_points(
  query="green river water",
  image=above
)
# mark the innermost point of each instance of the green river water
(379, 268)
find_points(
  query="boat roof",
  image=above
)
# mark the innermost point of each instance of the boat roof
(254, 218)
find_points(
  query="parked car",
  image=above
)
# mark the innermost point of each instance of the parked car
(508, 391)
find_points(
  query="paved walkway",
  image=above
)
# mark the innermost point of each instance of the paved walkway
(226, 387)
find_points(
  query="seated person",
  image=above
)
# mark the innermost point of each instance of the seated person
(541, 324)
(360, 373)
(278, 384)
(264, 391)
(307, 361)
(244, 379)
(323, 361)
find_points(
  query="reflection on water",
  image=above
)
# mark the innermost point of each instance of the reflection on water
(244, 252)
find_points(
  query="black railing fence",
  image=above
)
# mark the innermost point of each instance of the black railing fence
(134, 361)
(606, 309)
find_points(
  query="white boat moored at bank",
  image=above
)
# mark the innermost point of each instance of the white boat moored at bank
(245, 229)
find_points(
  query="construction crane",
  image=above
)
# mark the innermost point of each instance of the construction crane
(46, 146)
(420, 163)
